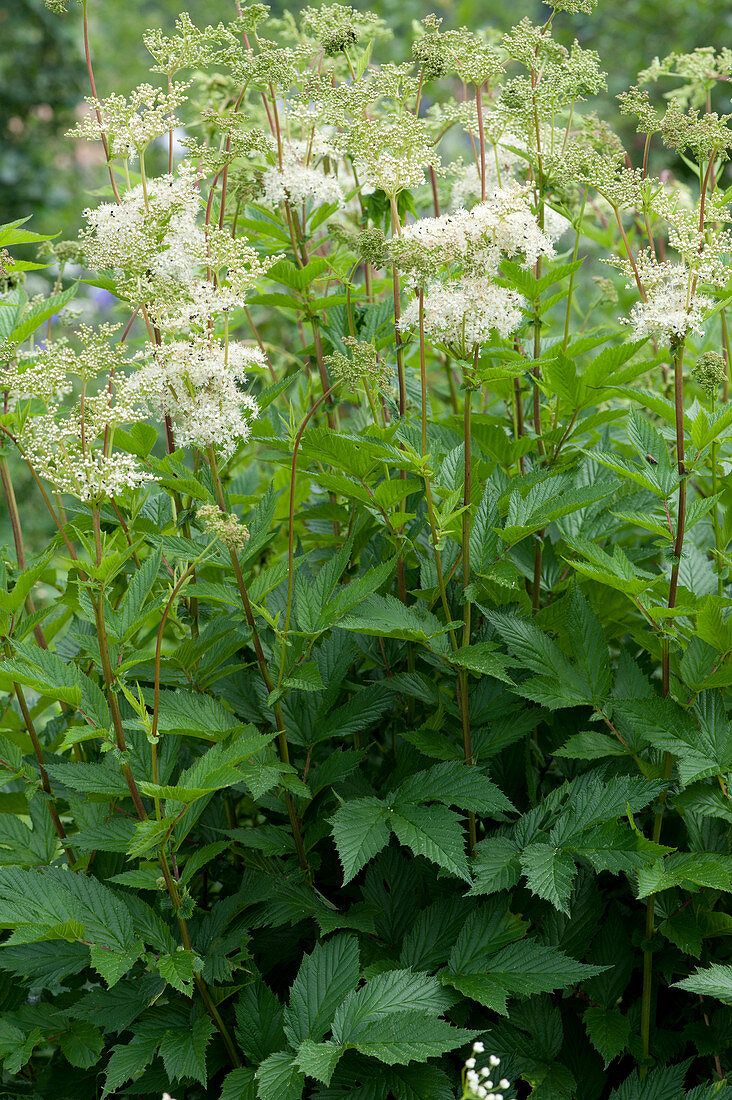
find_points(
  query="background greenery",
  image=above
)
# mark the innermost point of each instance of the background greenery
(42, 75)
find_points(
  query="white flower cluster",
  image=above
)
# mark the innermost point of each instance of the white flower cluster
(196, 305)
(672, 308)
(506, 226)
(470, 307)
(58, 453)
(555, 224)
(195, 383)
(477, 239)
(43, 374)
(300, 179)
(151, 236)
(152, 230)
(465, 313)
(235, 266)
(477, 1082)
(71, 446)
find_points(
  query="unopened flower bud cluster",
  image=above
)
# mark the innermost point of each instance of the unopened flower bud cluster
(338, 27)
(362, 364)
(389, 153)
(224, 526)
(710, 372)
(129, 124)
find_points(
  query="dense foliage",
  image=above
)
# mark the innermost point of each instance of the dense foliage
(365, 718)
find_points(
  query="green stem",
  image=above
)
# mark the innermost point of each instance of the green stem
(14, 514)
(262, 661)
(518, 406)
(92, 83)
(681, 515)
(570, 293)
(427, 482)
(646, 999)
(45, 782)
(401, 375)
(172, 888)
(98, 605)
(291, 524)
(536, 583)
(718, 539)
(396, 229)
(423, 372)
(727, 354)
(455, 404)
(536, 372)
(481, 134)
(537, 369)
(462, 674)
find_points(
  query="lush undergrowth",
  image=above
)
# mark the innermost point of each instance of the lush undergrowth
(365, 719)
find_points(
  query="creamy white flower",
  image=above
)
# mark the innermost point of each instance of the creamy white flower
(196, 384)
(152, 231)
(203, 301)
(43, 374)
(505, 225)
(431, 244)
(555, 224)
(465, 313)
(500, 167)
(56, 453)
(671, 311)
(300, 179)
(476, 240)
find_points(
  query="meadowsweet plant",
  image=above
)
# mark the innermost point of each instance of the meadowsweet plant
(366, 707)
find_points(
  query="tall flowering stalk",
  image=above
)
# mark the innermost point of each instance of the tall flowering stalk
(382, 634)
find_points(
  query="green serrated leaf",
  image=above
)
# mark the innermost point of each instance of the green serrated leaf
(322, 982)
(360, 831)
